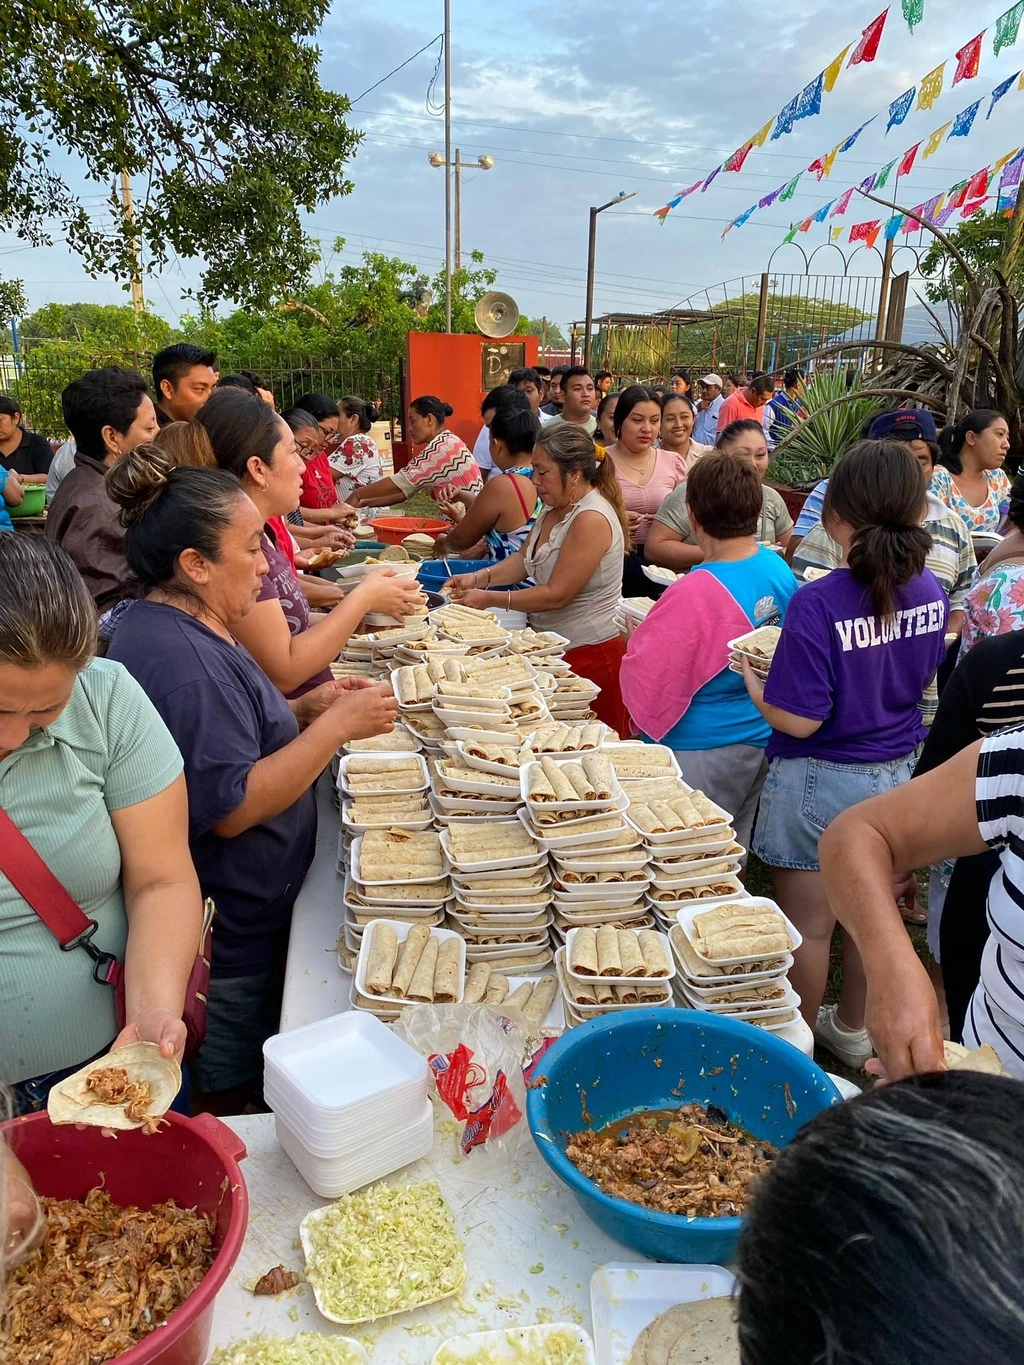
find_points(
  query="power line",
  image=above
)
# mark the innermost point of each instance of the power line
(395, 70)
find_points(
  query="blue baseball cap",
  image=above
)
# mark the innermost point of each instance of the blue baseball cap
(906, 424)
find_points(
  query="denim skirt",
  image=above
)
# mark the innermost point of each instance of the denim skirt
(802, 796)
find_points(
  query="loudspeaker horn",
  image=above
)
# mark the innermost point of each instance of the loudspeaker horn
(497, 314)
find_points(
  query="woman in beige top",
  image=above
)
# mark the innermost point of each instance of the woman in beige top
(574, 556)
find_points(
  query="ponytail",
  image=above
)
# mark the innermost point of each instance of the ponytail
(607, 485)
(878, 489)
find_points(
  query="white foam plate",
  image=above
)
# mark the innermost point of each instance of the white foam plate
(533, 918)
(390, 791)
(672, 769)
(739, 642)
(686, 913)
(769, 1012)
(357, 848)
(554, 1021)
(625, 1298)
(486, 765)
(511, 1344)
(569, 834)
(621, 980)
(417, 825)
(427, 903)
(559, 760)
(665, 881)
(625, 859)
(339, 1063)
(584, 1012)
(534, 858)
(480, 782)
(402, 933)
(658, 574)
(500, 700)
(709, 849)
(611, 893)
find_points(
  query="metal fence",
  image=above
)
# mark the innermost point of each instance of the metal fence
(38, 377)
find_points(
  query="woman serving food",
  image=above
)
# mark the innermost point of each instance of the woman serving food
(574, 555)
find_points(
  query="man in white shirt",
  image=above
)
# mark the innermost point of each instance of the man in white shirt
(578, 395)
(60, 467)
(705, 426)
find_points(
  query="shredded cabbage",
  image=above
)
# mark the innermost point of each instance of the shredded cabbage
(384, 1250)
(558, 1347)
(306, 1348)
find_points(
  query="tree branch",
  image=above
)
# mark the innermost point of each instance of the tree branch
(301, 307)
(943, 237)
(900, 346)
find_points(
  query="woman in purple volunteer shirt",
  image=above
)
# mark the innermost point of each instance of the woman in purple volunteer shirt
(842, 697)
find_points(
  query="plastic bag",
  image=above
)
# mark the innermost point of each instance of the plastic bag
(475, 1056)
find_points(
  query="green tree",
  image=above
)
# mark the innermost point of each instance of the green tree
(216, 107)
(980, 240)
(547, 332)
(13, 303)
(99, 327)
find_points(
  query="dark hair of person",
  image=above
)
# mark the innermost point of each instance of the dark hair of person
(608, 398)
(168, 508)
(516, 428)
(1015, 512)
(525, 375)
(602, 374)
(9, 407)
(735, 377)
(505, 395)
(891, 1230)
(47, 615)
(792, 378)
(543, 370)
(953, 438)
(429, 406)
(254, 380)
(680, 374)
(109, 397)
(763, 383)
(186, 444)
(240, 428)
(573, 372)
(174, 362)
(628, 399)
(737, 429)
(237, 380)
(560, 370)
(320, 405)
(359, 407)
(298, 419)
(726, 499)
(672, 397)
(568, 445)
(878, 488)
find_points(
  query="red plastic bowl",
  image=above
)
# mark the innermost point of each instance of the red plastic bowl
(194, 1161)
(393, 530)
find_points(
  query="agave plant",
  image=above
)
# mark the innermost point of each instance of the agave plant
(835, 413)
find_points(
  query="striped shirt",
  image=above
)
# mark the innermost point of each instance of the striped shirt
(951, 560)
(996, 1012)
(445, 466)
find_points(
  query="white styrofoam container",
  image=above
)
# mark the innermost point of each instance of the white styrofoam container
(512, 1344)
(728, 979)
(522, 862)
(625, 1298)
(480, 782)
(402, 933)
(340, 1063)
(666, 948)
(332, 1177)
(357, 848)
(666, 882)
(417, 786)
(686, 913)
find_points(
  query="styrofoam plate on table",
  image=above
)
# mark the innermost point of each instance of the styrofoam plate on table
(357, 847)
(574, 834)
(418, 825)
(664, 881)
(560, 760)
(703, 833)
(532, 939)
(459, 717)
(566, 918)
(490, 881)
(486, 765)
(464, 804)
(512, 1344)
(508, 736)
(785, 961)
(402, 933)
(566, 978)
(339, 1063)
(480, 782)
(607, 906)
(702, 991)
(622, 748)
(432, 900)
(666, 948)
(533, 858)
(502, 951)
(573, 824)
(687, 912)
(669, 907)
(554, 1021)
(707, 849)
(768, 1011)
(625, 1298)
(582, 893)
(534, 918)
(500, 700)
(631, 858)
(418, 786)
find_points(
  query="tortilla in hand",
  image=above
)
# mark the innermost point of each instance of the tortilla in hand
(130, 1088)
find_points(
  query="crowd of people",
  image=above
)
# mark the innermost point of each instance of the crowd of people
(182, 515)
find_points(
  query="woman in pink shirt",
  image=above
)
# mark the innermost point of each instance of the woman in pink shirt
(646, 475)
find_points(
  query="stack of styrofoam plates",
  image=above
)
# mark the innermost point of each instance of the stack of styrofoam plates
(350, 1101)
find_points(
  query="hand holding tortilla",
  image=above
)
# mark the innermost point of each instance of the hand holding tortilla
(132, 1087)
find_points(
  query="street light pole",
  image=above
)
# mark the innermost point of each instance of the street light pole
(447, 165)
(458, 209)
(620, 198)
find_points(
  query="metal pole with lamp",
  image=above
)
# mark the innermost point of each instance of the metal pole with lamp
(447, 165)
(483, 163)
(591, 257)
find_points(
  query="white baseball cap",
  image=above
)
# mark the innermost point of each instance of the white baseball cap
(713, 379)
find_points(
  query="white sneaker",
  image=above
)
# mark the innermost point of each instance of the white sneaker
(850, 1045)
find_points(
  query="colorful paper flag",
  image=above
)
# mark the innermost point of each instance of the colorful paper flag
(836, 233)
(770, 199)
(964, 121)
(968, 60)
(790, 235)
(868, 183)
(1001, 89)
(913, 12)
(944, 214)
(1004, 160)
(842, 204)
(760, 138)
(899, 109)
(735, 162)
(866, 232)
(690, 189)
(662, 213)
(935, 141)
(884, 174)
(848, 143)
(977, 186)
(931, 87)
(809, 100)
(789, 190)
(805, 225)
(973, 207)
(823, 166)
(893, 226)
(1007, 204)
(822, 213)
(831, 72)
(1012, 171)
(907, 164)
(708, 181)
(738, 222)
(928, 209)
(1007, 27)
(956, 195)
(867, 49)
(787, 117)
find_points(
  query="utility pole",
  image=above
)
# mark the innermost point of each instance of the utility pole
(138, 302)
(591, 260)
(458, 209)
(447, 165)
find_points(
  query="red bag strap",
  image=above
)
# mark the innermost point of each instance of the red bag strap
(37, 885)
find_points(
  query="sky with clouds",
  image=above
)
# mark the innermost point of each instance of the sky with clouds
(576, 105)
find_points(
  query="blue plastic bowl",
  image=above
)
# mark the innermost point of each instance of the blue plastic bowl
(621, 1064)
(433, 573)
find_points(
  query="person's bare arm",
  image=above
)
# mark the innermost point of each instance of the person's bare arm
(32, 478)
(336, 515)
(383, 493)
(485, 511)
(922, 822)
(165, 914)
(784, 540)
(792, 545)
(14, 489)
(319, 592)
(586, 541)
(666, 547)
(277, 781)
(289, 660)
